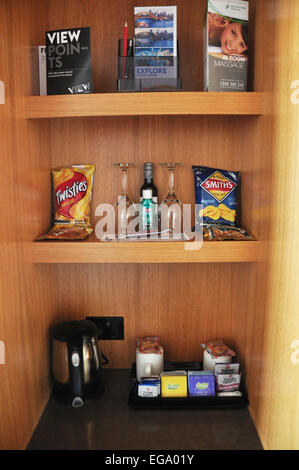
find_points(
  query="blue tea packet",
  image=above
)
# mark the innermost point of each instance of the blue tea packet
(201, 383)
(218, 193)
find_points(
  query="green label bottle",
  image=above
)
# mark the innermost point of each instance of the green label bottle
(148, 210)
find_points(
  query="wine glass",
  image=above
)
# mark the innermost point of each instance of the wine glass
(171, 208)
(124, 207)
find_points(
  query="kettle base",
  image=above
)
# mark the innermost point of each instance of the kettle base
(92, 392)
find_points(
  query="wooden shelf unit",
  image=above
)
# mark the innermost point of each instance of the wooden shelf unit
(144, 104)
(95, 251)
(253, 306)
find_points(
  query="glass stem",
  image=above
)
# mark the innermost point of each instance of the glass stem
(124, 172)
(171, 181)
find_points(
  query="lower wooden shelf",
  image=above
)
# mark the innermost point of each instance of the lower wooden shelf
(95, 251)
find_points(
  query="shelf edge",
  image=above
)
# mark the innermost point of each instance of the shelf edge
(143, 252)
(144, 104)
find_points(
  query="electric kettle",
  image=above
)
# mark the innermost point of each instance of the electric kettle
(76, 363)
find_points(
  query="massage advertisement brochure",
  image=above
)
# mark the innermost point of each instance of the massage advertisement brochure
(68, 61)
(155, 31)
(226, 45)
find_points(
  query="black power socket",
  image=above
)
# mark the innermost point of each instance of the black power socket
(111, 328)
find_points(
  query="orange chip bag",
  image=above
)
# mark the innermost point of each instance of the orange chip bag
(72, 189)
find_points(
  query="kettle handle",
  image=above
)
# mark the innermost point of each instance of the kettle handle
(76, 370)
(105, 360)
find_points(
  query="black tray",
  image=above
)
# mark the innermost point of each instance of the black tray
(184, 402)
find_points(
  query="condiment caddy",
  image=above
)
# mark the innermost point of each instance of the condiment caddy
(215, 383)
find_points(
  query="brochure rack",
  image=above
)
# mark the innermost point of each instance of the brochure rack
(147, 73)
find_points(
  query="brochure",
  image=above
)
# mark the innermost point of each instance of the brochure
(155, 31)
(68, 61)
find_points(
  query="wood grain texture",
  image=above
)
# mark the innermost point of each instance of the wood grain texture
(154, 299)
(26, 305)
(257, 180)
(94, 251)
(142, 104)
(277, 411)
(184, 304)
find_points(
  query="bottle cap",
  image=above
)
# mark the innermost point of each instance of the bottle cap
(148, 169)
(147, 194)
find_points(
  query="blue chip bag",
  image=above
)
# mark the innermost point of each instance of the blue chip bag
(218, 193)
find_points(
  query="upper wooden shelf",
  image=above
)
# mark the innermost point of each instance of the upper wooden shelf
(142, 104)
(94, 251)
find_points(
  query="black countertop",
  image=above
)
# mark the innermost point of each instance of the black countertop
(110, 424)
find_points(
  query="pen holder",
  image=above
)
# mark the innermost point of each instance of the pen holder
(147, 73)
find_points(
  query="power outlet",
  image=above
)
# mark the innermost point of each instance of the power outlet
(109, 327)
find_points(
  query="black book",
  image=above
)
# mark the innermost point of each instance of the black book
(68, 61)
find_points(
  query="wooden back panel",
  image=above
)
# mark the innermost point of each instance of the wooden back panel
(107, 19)
(149, 297)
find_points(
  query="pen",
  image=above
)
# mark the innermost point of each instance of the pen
(130, 48)
(125, 40)
(129, 61)
(125, 45)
